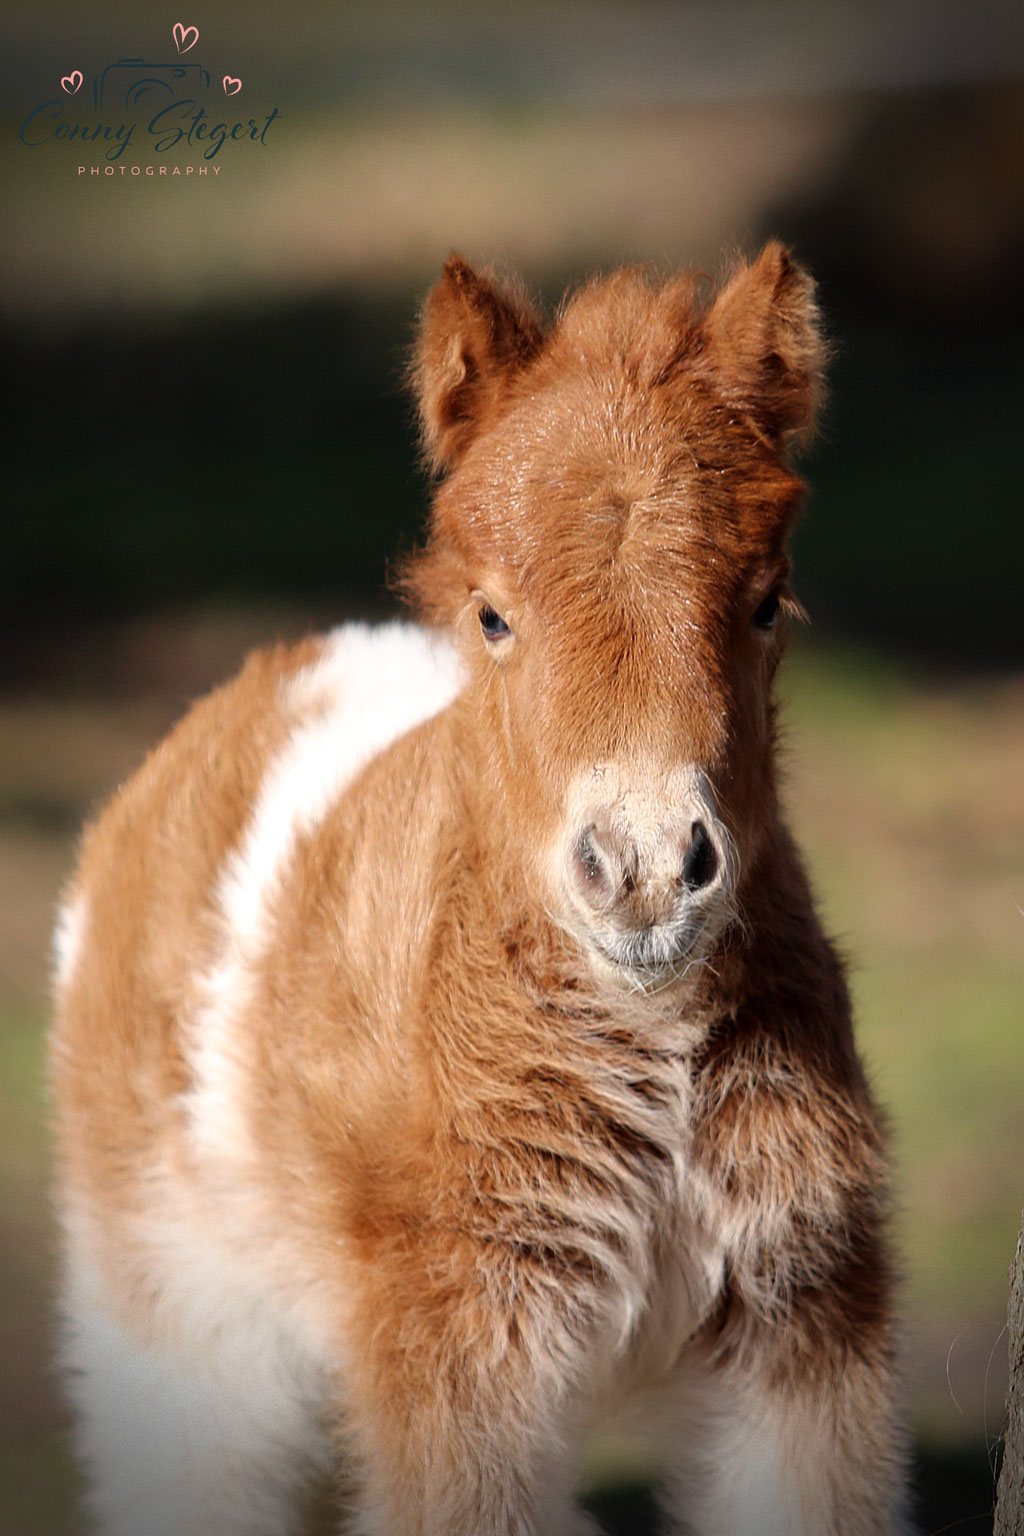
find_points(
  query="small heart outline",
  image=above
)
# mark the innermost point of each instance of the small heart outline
(235, 84)
(72, 82)
(180, 32)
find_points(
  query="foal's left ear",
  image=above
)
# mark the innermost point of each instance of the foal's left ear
(766, 347)
(473, 337)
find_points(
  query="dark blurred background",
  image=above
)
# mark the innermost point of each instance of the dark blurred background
(207, 399)
(207, 442)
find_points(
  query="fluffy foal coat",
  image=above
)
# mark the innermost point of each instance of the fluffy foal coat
(448, 1053)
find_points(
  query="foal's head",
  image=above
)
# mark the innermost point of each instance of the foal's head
(609, 545)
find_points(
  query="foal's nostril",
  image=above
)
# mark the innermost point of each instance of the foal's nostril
(586, 853)
(593, 872)
(604, 865)
(701, 862)
(621, 879)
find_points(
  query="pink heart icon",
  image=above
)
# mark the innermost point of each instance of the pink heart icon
(231, 86)
(185, 37)
(71, 82)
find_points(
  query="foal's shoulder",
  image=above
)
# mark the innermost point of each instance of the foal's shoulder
(337, 698)
(215, 813)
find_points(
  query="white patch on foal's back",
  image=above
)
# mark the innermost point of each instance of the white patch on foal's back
(367, 688)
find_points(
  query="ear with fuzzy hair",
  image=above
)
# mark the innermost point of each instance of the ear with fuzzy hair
(766, 348)
(473, 337)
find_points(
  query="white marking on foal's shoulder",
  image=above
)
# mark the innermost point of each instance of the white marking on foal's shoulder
(67, 937)
(366, 688)
(369, 686)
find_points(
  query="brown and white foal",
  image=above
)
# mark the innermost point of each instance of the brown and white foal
(448, 1054)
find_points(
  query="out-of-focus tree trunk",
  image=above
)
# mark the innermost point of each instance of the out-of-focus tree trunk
(1010, 1499)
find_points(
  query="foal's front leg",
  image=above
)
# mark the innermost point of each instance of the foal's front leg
(768, 1444)
(460, 1412)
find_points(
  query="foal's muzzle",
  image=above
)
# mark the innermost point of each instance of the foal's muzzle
(649, 873)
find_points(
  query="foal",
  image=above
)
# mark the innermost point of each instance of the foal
(448, 1053)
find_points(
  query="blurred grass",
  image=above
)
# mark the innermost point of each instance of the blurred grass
(906, 797)
(38, 1482)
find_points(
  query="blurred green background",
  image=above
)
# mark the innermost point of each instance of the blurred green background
(207, 444)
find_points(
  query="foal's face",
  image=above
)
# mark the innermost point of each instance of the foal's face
(623, 608)
(611, 549)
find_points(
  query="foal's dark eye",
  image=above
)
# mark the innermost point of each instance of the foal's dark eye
(492, 624)
(767, 612)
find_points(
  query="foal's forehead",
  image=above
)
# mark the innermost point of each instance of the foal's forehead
(598, 474)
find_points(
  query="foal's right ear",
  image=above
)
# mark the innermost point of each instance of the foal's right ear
(767, 346)
(473, 337)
